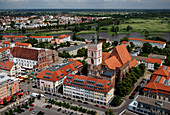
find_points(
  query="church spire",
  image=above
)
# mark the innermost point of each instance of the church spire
(94, 39)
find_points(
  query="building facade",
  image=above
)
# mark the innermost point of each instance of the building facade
(88, 89)
(42, 38)
(140, 42)
(62, 39)
(4, 53)
(51, 78)
(8, 85)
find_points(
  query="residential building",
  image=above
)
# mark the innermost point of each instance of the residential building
(148, 106)
(157, 56)
(140, 59)
(88, 89)
(151, 61)
(6, 44)
(10, 68)
(159, 85)
(114, 65)
(42, 38)
(8, 85)
(33, 58)
(23, 45)
(72, 50)
(51, 78)
(6, 37)
(61, 39)
(126, 43)
(4, 53)
(139, 42)
(19, 37)
(103, 40)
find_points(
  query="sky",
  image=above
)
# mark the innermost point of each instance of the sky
(84, 4)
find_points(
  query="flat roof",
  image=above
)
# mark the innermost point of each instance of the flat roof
(73, 48)
(152, 102)
(59, 66)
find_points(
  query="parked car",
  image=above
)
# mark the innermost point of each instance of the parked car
(97, 105)
(69, 98)
(85, 102)
(30, 109)
(134, 92)
(32, 105)
(58, 95)
(59, 109)
(34, 111)
(54, 94)
(103, 107)
(64, 97)
(79, 101)
(40, 113)
(50, 106)
(50, 93)
(46, 92)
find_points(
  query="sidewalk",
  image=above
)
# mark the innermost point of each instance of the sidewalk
(17, 102)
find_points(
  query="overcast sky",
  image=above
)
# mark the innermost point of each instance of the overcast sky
(85, 4)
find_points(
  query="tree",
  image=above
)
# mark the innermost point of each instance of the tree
(147, 48)
(12, 24)
(116, 101)
(76, 28)
(124, 39)
(132, 44)
(68, 44)
(5, 101)
(110, 112)
(75, 44)
(12, 98)
(129, 28)
(115, 43)
(129, 48)
(82, 52)
(39, 96)
(156, 65)
(142, 67)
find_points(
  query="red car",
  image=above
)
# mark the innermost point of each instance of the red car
(97, 105)
(32, 105)
(103, 107)
(30, 109)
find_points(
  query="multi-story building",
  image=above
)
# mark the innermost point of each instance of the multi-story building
(149, 106)
(61, 39)
(88, 89)
(14, 37)
(151, 61)
(51, 78)
(33, 58)
(43, 38)
(23, 45)
(10, 68)
(4, 53)
(159, 85)
(8, 86)
(140, 42)
(111, 66)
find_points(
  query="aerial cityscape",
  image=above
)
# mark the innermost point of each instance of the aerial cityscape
(82, 57)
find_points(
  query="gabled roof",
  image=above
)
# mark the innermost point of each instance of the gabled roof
(104, 57)
(156, 56)
(112, 63)
(22, 44)
(4, 49)
(41, 36)
(25, 53)
(152, 60)
(19, 36)
(63, 36)
(95, 84)
(6, 65)
(163, 70)
(6, 36)
(132, 63)
(57, 72)
(153, 41)
(121, 54)
(6, 42)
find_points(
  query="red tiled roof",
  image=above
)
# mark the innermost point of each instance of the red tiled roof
(25, 53)
(54, 74)
(41, 36)
(112, 63)
(22, 44)
(63, 36)
(121, 54)
(132, 63)
(19, 36)
(162, 70)
(106, 88)
(137, 39)
(125, 42)
(153, 60)
(6, 65)
(6, 36)
(6, 42)
(3, 49)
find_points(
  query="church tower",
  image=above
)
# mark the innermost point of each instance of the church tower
(94, 57)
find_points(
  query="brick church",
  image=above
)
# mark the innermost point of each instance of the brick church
(109, 66)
